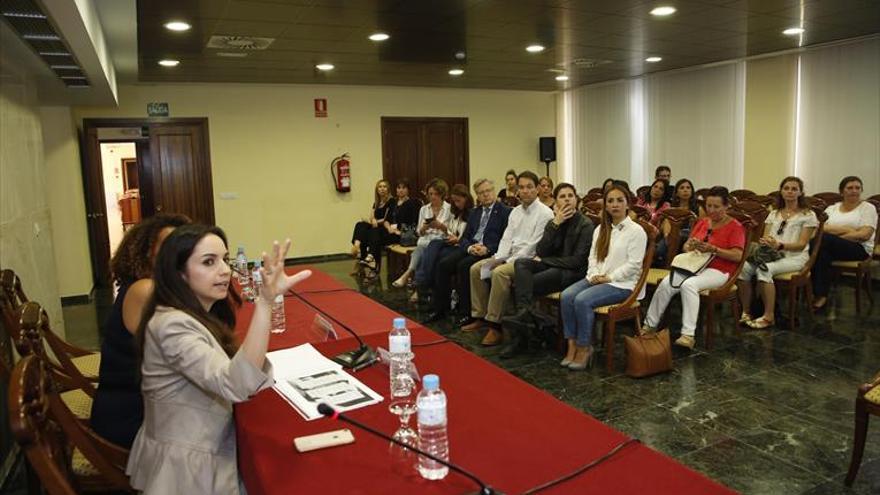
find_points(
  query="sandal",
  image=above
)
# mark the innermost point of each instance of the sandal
(760, 323)
(745, 318)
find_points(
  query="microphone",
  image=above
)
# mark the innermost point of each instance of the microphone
(485, 489)
(355, 359)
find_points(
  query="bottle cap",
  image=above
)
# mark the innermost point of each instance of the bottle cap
(240, 249)
(257, 263)
(430, 382)
(400, 323)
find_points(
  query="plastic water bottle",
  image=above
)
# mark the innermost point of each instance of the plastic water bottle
(279, 323)
(401, 355)
(432, 428)
(244, 276)
(257, 279)
(236, 263)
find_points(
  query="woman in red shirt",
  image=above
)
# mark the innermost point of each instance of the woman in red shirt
(717, 233)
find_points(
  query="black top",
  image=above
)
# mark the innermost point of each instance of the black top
(118, 408)
(567, 246)
(502, 193)
(382, 210)
(406, 213)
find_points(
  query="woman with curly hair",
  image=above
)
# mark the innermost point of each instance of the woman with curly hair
(118, 410)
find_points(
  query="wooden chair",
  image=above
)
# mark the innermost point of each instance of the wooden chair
(398, 259)
(756, 212)
(12, 296)
(861, 269)
(678, 218)
(640, 192)
(867, 402)
(701, 194)
(795, 282)
(741, 194)
(829, 197)
(875, 197)
(591, 207)
(766, 201)
(76, 390)
(594, 191)
(630, 309)
(815, 203)
(728, 292)
(67, 456)
(511, 201)
(641, 212)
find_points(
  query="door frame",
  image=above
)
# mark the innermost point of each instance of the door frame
(93, 180)
(452, 120)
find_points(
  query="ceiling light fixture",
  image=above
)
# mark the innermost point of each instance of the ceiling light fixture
(25, 15)
(42, 37)
(54, 54)
(653, 59)
(663, 11)
(379, 37)
(169, 62)
(793, 31)
(562, 78)
(325, 67)
(177, 26)
(456, 72)
(535, 48)
(64, 67)
(232, 54)
(74, 78)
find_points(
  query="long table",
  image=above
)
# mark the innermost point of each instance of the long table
(509, 433)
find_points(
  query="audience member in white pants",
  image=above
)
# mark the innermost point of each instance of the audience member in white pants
(717, 233)
(788, 229)
(432, 225)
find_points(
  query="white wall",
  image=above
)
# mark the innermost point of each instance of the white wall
(112, 155)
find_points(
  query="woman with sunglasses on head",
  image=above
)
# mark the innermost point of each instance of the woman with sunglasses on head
(192, 368)
(788, 229)
(848, 236)
(722, 236)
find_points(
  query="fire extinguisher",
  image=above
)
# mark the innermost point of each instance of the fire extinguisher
(340, 169)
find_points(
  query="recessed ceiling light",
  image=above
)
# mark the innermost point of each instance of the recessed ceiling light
(793, 31)
(535, 48)
(177, 26)
(562, 78)
(653, 59)
(169, 62)
(325, 67)
(663, 11)
(379, 37)
(456, 72)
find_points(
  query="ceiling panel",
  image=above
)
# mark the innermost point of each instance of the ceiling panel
(593, 40)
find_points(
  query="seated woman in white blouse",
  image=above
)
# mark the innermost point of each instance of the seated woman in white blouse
(615, 264)
(432, 225)
(192, 369)
(848, 236)
(788, 229)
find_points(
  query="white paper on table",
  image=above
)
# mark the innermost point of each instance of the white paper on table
(305, 378)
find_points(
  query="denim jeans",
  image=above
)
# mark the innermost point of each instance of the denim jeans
(578, 303)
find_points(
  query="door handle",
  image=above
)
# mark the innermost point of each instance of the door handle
(158, 207)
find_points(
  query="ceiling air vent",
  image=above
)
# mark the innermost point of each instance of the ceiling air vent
(588, 63)
(239, 42)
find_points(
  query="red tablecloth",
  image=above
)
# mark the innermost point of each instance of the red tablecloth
(507, 432)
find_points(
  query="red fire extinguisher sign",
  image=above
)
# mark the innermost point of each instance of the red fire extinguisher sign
(320, 107)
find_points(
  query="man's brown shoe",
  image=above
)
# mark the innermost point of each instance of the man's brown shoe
(492, 338)
(474, 325)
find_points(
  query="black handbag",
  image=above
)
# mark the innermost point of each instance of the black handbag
(408, 236)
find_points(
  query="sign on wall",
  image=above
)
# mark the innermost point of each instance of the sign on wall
(157, 109)
(320, 107)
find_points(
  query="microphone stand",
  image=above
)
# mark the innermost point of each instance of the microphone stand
(355, 359)
(485, 489)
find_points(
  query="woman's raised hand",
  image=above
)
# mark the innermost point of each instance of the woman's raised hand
(275, 280)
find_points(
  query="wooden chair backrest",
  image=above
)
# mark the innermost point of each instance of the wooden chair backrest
(829, 197)
(756, 212)
(766, 201)
(592, 196)
(678, 218)
(741, 194)
(875, 197)
(876, 204)
(11, 298)
(591, 207)
(701, 193)
(34, 332)
(816, 241)
(815, 203)
(511, 201)
(595, 190)
(748, 223)
(640, 191)
(47, 432)
(641, 212)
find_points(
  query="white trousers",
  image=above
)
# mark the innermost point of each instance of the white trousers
(709, 278)
(782, 265)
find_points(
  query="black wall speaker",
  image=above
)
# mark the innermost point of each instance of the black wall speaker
(547, 149)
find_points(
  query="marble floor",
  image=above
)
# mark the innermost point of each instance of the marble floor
(763, 412)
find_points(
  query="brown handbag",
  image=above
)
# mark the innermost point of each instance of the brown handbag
(648, 354)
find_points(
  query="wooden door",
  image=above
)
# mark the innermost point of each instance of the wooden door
(96, 209)
(181, 170)
(420, 149)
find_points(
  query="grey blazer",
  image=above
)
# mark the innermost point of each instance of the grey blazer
(186, 444)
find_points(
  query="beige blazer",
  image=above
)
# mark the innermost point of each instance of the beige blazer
(186, 444)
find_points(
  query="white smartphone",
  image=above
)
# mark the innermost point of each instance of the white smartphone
(323, 440)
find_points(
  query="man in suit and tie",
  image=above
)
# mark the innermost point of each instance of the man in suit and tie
(485, 226)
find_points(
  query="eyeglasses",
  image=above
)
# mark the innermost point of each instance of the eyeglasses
(782, 227)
